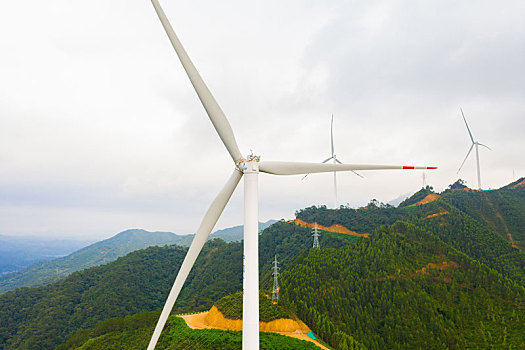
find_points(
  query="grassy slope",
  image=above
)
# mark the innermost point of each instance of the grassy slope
(231, 307)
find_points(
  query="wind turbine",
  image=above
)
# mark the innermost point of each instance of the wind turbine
(335, 161)
(250, 168)
(333, 157)
(474, 143)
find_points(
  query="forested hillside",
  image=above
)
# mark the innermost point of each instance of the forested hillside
(99, 253)
(436, 272)
(460, 226)
(43, 317)
(502, 210)
(404, 288)
(95, 254)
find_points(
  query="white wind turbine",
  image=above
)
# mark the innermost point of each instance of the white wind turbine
(250, 168)
(474, 143)
(333, 157)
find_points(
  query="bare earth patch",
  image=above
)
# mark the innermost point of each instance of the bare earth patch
(334, 228)
(436, 214)
(521, 183)
(429, 198)
(215, 319)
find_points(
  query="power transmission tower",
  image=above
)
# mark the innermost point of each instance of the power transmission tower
(275, 292)
(316, 238)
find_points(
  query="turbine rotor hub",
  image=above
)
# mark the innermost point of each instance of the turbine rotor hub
(250, 164)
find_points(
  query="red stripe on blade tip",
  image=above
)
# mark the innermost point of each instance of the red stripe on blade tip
(408, 167)
(432, 167)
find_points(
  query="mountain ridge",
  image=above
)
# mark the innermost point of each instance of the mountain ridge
(105, 251)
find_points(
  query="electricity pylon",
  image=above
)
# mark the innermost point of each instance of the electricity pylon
(275, 292)
(316, 238)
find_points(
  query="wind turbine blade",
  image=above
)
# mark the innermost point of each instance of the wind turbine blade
(207, 224)
(470, 134)
(470, 150)
(332, 134)
(484, 146)
(296, 168)
(361, 176)
(215, 113)
(324, 161)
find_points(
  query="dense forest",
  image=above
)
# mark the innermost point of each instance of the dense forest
(44, 317)
(462, 226)
(446, 274)
(502, 210)
(405, 288)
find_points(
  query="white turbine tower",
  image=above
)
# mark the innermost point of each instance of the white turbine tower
(474, 143)
(250, 168)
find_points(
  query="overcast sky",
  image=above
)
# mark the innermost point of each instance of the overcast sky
(101, 131)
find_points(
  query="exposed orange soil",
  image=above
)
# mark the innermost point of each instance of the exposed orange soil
(444, 265)
(429, 198)
(436, 214)
(216, 320)
(334, 228)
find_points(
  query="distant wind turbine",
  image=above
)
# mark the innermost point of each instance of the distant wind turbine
(474, 143)
(248, 167)
(334, 159)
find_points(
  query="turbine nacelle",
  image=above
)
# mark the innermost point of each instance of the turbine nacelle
(250, 164)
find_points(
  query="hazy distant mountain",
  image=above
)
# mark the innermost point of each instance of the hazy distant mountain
(235, 233)
(18, 252)
(103, 252)
(396, 201)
